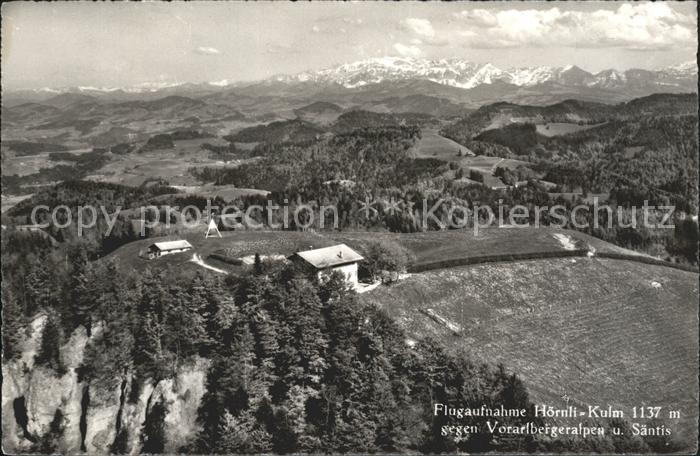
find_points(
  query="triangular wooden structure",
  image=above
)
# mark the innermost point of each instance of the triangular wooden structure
(212, 229)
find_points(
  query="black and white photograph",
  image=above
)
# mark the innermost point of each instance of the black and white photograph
(357, 227)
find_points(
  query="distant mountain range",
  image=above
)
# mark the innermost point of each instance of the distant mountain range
(392, 84)
(468, 75)
(450, 72)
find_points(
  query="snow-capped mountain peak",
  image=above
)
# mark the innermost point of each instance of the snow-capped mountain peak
(530, 76)
(487, 74)
(685, 68)
(467, 75)
(458, 73)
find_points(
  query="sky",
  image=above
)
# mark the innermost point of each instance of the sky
(127, 44)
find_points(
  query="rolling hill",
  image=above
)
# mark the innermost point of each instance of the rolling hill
(320, 112)
(572, 111)
(277, 132)
(431, 144)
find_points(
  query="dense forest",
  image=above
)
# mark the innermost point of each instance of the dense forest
(26, 148)
(277, 132)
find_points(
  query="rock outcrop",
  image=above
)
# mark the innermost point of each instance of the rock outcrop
(92, 419)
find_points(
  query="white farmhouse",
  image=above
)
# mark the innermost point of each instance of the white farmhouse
(159, 249)
(327, 260)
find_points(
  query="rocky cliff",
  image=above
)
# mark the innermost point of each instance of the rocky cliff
(77, 417)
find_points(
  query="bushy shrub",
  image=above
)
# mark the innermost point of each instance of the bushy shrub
(386, 259)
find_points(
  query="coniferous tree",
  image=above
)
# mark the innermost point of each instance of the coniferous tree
(13, 325)
(49, 353)
(38, 286)
(109, 354)
(258, 267)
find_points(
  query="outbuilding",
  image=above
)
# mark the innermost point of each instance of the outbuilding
(159, 249)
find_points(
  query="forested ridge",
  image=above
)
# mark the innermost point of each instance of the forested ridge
(629, 161)
(648, 144)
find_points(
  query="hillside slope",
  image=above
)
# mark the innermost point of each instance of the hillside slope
(602, 332)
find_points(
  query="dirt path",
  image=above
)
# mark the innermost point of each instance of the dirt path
(197, 259)
(495, 165)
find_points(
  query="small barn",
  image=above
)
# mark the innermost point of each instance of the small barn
(327, 260)
(159, 249)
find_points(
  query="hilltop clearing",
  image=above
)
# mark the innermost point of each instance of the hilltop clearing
(320, 112)
(432, 145)
(561, 128)
(429, 249)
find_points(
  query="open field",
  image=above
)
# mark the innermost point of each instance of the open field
(571, 196)
(432, 145)
(136, 167)
(487, 166)
(26, 165)
(67, 136)
(561, 128)
(226, 192)
(8, 201)
(169, 164)
(548, 129)
(491, 163)
(246, 146)
(503, 119)
(603, 332)
(29, 164)
(233, 243)
(134, 170)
